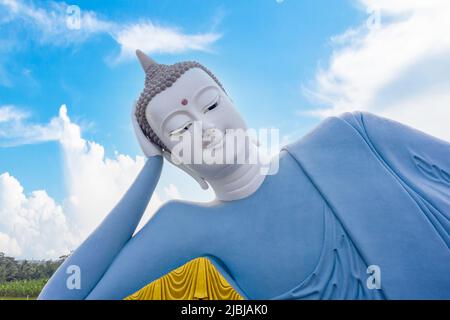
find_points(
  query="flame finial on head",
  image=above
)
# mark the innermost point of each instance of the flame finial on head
(145, 60)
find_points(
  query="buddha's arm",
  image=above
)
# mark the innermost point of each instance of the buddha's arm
(94, 256)
(172, 237)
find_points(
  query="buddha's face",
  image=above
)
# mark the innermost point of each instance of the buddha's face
(197, 109)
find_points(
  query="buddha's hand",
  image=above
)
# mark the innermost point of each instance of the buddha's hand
(148, 147)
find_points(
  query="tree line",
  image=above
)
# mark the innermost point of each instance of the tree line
(20, 270)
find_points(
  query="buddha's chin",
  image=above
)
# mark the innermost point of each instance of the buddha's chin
(214, 166)
(212, 171)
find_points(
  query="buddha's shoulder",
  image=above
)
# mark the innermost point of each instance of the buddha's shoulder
(368, 126)
(185, 212)
(329, 127)
(387, 135)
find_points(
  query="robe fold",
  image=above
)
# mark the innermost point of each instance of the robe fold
(389, 186)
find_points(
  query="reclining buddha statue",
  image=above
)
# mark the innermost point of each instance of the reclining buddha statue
(359, 208)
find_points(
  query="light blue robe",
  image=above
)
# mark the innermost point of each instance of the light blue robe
(357, 191)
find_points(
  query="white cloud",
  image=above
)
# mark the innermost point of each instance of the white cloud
(31, 225)
(152, 38)
(16, 130)
(47, 23)
(9, 246)
(172, 192)
(11, 113)
(35, 226)
(399, 69)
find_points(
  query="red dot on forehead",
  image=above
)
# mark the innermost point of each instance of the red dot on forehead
(184, 102)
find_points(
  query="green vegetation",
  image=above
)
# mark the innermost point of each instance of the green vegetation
(22, 288)
(24, 279)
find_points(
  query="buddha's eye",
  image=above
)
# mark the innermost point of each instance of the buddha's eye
(180, 131)
(212, 106)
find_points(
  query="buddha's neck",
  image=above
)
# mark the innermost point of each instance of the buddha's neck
(243, 181)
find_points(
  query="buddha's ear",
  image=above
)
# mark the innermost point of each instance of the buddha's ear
(202, 182)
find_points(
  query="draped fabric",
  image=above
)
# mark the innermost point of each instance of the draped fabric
(389, 187)
(195, 280)
(340, 274)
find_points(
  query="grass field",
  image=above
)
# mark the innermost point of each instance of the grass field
(21, 289)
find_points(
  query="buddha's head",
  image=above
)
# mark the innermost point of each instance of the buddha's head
(182, 101)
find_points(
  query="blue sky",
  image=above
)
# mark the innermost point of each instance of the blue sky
(266, 51)
(286, 64)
